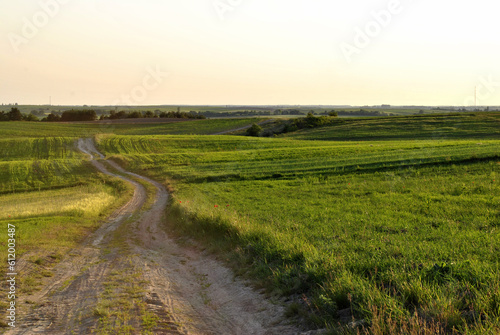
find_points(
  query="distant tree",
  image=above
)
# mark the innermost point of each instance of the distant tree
(148, 114)
(38, 112)
(52, 118)
(117, 115)
(121, 115)
(333, 113)
(254, 130)
(134, 115)
(79, 115)
(30, 117)
(15, 114)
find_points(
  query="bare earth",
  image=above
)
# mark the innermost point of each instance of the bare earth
(187, 290)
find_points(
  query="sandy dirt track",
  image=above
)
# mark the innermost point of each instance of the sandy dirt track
(189, 291)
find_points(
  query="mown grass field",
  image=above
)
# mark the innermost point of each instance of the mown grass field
(401, 233)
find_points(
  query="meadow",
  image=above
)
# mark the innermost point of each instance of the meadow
(51, 192)
(389, 222)
(9, 130)
(477, 125)
(54, 197)
(402, 234)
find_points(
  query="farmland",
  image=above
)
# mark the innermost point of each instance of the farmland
(45, 181)
(86, 129)
(437, 127)
(375, 229)
(390, 222)
(55, 198)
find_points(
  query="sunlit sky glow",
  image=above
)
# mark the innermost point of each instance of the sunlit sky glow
(101, 52)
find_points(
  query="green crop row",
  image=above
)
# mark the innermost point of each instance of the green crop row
(38, 148)
(74, 129)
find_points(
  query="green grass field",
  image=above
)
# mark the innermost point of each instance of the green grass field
(376, 229)
(52, 193)
(9, 130)
(394, 221)
(54, 197)
(433, 127)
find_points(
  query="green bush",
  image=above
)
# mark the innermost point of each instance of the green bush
(254, 130)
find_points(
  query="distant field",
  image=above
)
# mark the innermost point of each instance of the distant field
(369, 218)
(53, 129)
(379, 229)
(445, 126)
(231, 109)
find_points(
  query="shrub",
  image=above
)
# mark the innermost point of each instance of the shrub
(254, 130)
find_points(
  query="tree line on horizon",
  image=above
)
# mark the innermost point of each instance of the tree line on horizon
(149, 114)
(91, 115)
(16, 115)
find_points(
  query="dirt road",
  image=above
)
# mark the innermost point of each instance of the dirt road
(130, 277)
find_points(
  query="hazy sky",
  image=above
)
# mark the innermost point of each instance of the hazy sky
(103, 52)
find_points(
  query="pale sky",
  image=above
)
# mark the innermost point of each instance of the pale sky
(321, 52)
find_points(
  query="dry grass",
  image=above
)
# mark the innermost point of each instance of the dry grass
(87, 200)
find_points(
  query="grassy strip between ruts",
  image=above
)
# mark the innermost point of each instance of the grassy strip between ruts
(407, 246)
(122, 306)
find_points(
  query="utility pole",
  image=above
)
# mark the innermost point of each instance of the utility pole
(475, 96)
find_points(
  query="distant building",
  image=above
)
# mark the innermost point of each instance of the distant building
(386, 106)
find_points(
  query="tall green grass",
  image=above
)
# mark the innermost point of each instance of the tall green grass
(37, 164)
(373, 230)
